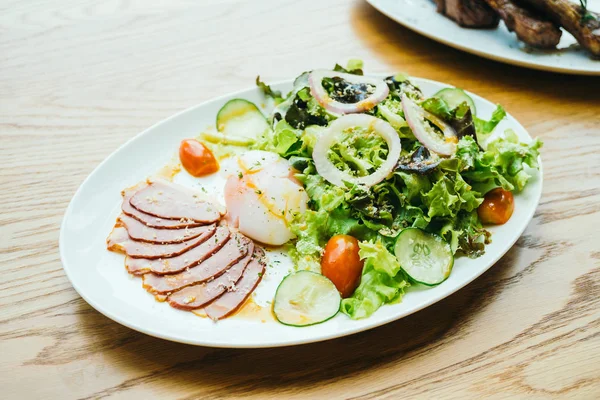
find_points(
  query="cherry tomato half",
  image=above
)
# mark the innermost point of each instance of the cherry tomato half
(196, 158)
(497, 207)
(341, 263)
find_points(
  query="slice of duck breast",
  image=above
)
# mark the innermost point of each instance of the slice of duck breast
(194, 256)
(168, 200)
(151, 220)
(137, 230)
(234, 250)
(232, 300)
(119, 240)
(193, 297)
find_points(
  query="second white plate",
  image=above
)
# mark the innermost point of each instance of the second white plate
(497, 44)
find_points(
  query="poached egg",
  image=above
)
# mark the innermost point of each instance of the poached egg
(262, 196)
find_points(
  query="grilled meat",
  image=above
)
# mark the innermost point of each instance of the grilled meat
(529, 27)
(468, 13)
(584, 26)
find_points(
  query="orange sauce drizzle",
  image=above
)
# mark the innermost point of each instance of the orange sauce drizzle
(251, 310)
(169, 171)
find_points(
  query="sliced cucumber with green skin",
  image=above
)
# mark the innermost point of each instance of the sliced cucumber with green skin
(218, 138)
(240, 118)
(454, 97)
(425, 257)
(306, 298)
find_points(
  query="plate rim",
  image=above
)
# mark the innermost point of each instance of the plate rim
(481, 53)
(322, 337)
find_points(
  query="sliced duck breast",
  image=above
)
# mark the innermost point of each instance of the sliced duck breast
(232, 300)
(168, 200)
(235, 249)
(137, 230)
(194, 256)
(119, 240)
(151, 220)
(193, 297)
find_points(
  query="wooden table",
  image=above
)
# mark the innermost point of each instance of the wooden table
(79, 78)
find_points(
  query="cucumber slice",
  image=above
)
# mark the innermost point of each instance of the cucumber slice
(241, 118)
(425, 257)
(306, 298)
(218, 138)
(455, 96)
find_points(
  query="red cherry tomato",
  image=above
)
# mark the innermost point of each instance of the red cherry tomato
(341, 263)
(196, 158)
(497, 207)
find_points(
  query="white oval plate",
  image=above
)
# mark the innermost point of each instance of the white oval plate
(100, 278)
(497, 44)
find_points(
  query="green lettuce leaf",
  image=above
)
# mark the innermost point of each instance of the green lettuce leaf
(305, 111)
(450, 193)
(400, 84)
(266, 89)
(359, 153)
(469, 199)
(509, 156)
(485, 128)
(391, 111)
(412, 185)
(322, 194)
(411, 216)
(439, 107)
(284, 138)
(502, 164)
(441, 199)
(472, 237)
(289, 142)
(310, 231)
(354, 66)
(382, 281)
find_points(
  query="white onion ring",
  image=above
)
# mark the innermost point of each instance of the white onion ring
(415, 116)
(327, 170)
(320, 94)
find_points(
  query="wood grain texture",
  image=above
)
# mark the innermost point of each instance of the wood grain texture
(79, 78)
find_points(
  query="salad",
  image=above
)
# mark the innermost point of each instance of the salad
(396, 184)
